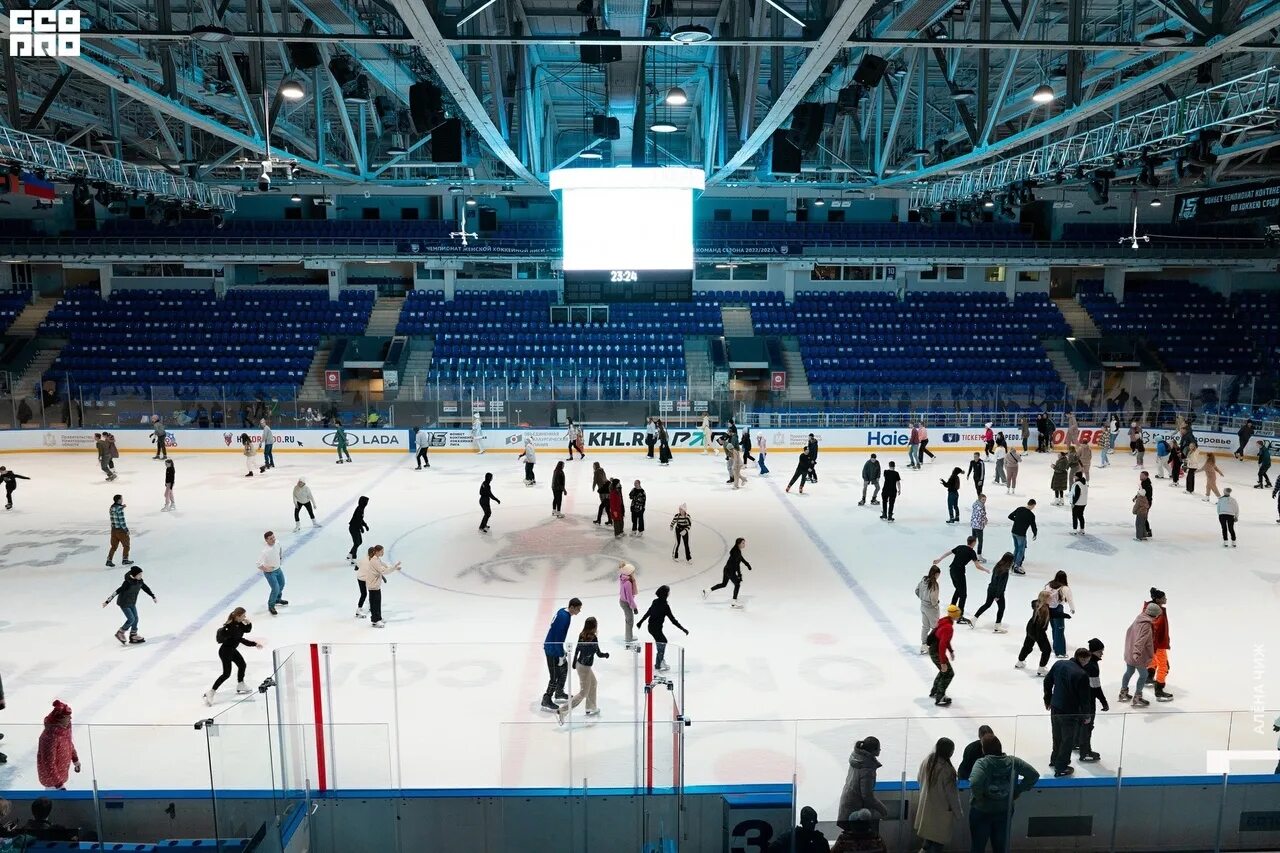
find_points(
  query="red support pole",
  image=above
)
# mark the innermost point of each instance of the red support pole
(318, 703)
(648, 717)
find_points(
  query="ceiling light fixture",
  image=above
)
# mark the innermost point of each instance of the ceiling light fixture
(295, 198)
(677, 97)
(691, 34)
(819, 202)
(962, 94)
(1164, 37)
(471, 201)
(1156, 202)
(787, 13)
(476, 11)
(663, 127)
(211, 34)
(590, 155)
(291, 88)
(1043, 94)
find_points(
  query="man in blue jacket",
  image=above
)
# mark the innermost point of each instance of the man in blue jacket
(1069, 701)
(557, 657)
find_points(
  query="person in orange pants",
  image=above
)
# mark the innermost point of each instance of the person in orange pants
(1158, 668)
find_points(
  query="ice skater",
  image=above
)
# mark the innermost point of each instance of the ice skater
(732, 572)
(1059, 600)
(423, 440)
(486, 495)
(942, 654)
(977, 472)
(1079, 499)
(1024, 519)
(705, 429)
(650, 436)
(1012, 461)
(571, 439)
(811, 448)
(762, 450)
(1158, 668)
(1228, 514)
(616, 512)
(585, 651)
(1264, 465)
(557, 660)
(736, 469)
(1058, 481)
(870, 479)
(230, 637)
(56, 754)
(1002, 453)
(271, 564)
(803, 469)
(477, 432)
(371, 572)
(1067, 699)
(890, 491)
(1037, 634)
(104, 455)
(600, 485)
(978, 520)
(119, 531)
(1084, 453)
(627, 600)
(988, 440)
(126, 598)
(169, 478)
(1139, 647)
(664, 444)
(340, 443)
(1141, 507)
(681, 523)
(637, 499)
(158, 436)
(961, 557)
(268, 444)
(528, 456)
(10, 480)
(929, 593)
(303, 499)
(952, 485)
(246, 444)
(357, 526)
(1097, 696)
(924, 446)
(558, 489)
(1211, 472)
(995, 592)
(745, 445)
(658, 613)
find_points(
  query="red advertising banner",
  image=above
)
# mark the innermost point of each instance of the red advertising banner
(778, 380)
(333, 380)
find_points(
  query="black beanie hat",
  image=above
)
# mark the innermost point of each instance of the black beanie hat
(1095, 645)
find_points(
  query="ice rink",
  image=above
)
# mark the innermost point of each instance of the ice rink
(825, 651)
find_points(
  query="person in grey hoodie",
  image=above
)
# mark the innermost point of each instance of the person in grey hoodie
(157, 425)
(302, 499)
(268, 444)
(860, 810)
(870, 477)
(996, 782)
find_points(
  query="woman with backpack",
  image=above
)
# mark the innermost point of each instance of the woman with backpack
(995, 592)
(930, 597)
(230, 638)
(1059, 601)
(1037, 634)
(952, 485)
(938, 807)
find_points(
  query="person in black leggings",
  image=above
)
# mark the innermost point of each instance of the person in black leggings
(357, 527)
(230, 639)
(995, 591)
(558, 489)
(732, 571)
(804, 466)
(657, 614)
(486, 495)
(681, 523)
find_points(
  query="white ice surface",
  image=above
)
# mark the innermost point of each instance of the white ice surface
(824, 653)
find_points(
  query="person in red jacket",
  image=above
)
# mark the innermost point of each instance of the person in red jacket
(56, 752)
(941, 653)
(1158, 669)
(615, 506)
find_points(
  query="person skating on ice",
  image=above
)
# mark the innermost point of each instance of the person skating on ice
(1148, 489)
(528, 456)
(929, 594)
(126, 598)
(600, 485)
(803, 467)
(1079, 500)
(1245, 433)
(303, 499)
(1058, 481)
(423, 440)
(170, 477)
(942, 654)
(737, 467)
(977, 471)
(995, 592)
(658, 613)
(617, 515)
(762, 450)
(1002, 453)
(371, 573)
(553, 649)
(732, 572)
(726, 447)
(913, 446)
(1037, 634)
(681, 522)
(1162, 457)
(119, 531)
(558, 489)
(952, 485)
(745, 446)
(1106, 437)
(340, 443)
(268, 444)
(1264, 465)
(637, 499)
(978, 520)
(1139, 647)
(890, 491)
(246, 445)
(705, 429)
(585, 652)
(870, 479)
(1228, 515)
(573, 434)
(1097, 697)
(650, 436)
(627, 590)
(10, 480)
(924, 446)
(961, 557)
(1059, 600)
(1024, 519)
(988, 440)
(487, 499)
(104, 455)
(357, 528)
(1084, 453)
(1012, 462)
(1141, 507)
(811, 448)
(271, 564)
(230, 637)
(158, 436)
(1068, 700)
(664, 444)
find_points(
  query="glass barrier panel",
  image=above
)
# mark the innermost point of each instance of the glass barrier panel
(1254, 791)
(358, 807)
(242, 770)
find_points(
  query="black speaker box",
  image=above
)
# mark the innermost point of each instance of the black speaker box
(595, 54)
(446, 142)
(303, 55)
(424, 106)
(870, 71)
(806, 125)
(605, 127)
(786, 157)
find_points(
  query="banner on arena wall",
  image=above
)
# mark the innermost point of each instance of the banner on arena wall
(1238, 201)
(205, 440)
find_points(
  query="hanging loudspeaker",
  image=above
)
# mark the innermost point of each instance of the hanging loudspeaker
(303, 55)
(605, 127)
(870, 71)
(446, 142)
(786, 157)
(806, 125)
(425, 106)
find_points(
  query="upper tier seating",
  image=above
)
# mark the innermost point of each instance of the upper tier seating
(11, 305)
(252, 338)
(1193, 328)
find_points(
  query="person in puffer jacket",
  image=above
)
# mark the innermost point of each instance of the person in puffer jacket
(870, 477)
(860, 810)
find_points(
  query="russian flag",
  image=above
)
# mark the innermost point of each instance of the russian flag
(38, 187)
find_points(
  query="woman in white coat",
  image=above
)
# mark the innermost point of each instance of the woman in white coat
(371, 572)
(939, 805)
(930, 597)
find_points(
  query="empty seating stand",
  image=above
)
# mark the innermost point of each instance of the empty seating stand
(11, 305)
(252, 339)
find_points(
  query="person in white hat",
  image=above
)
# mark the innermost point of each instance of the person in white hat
(627, 599)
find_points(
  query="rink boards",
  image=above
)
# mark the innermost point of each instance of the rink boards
(608, 440)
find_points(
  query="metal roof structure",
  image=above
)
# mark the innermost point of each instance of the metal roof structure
(939, 99)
